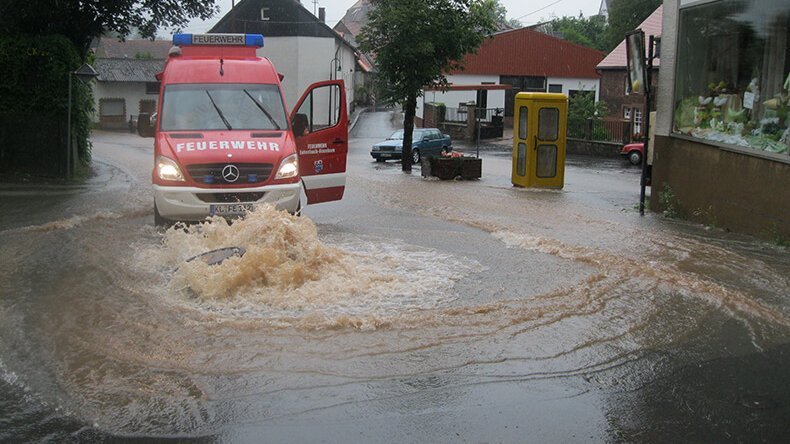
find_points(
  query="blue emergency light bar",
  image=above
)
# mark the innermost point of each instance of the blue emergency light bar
(255, 40)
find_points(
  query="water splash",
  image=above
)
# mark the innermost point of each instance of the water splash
(290, 277)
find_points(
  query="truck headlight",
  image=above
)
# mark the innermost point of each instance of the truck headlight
(167, 169)
(289, 167)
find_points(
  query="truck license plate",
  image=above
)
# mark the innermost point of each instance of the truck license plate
(231, 209)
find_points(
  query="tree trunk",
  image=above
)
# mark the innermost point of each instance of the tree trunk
(408, 131)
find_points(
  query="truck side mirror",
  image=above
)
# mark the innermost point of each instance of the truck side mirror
(300, 125)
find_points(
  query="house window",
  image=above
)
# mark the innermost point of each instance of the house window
(627, 113)
(637, 121)
(112, 108)
(733, 74)
(152, 87)
(482, 98)
(112, 113)
(555, 88)
(147, 106)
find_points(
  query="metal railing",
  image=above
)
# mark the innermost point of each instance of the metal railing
(461, 115)
(603, 130)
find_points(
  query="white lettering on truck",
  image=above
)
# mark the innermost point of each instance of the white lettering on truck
(232, 144)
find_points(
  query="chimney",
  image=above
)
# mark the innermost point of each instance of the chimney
(322, 14)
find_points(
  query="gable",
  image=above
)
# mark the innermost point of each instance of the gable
(286, 18)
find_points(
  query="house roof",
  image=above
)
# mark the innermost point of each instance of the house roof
(286, 18)
(110, 48)
(651, 26)
(355, 19)
(525, 52)
(128, 70)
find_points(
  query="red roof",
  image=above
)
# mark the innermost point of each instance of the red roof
(524, 52)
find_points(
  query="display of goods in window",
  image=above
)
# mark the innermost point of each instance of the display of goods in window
(733, 83)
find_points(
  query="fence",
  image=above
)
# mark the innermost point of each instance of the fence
(603, 130)
(461, 115)
(33, 144)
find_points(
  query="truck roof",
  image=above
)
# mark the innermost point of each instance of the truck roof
(218, 64)
(181, 69)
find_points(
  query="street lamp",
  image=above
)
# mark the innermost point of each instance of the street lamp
(84, 74)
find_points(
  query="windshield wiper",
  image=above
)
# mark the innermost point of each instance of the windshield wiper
(263, 109)
(219, 111)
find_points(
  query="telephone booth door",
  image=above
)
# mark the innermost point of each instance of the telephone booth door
(539, 140)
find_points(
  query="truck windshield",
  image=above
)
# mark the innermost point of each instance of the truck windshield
(204, 107)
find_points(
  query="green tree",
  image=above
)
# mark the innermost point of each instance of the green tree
(500, 16)
(582, 106)
(626, 15)
(416, 42)
(590, 32)
(81, 21)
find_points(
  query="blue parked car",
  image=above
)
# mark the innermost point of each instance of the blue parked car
(425, 142)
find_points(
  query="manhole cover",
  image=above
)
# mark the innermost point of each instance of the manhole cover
(216, 257)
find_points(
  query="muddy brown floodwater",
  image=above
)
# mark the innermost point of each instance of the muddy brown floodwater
(413, 311)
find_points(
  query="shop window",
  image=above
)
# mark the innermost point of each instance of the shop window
(733, 74)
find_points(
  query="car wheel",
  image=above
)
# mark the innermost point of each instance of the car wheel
(415, 156)
(635, 157)
(160, 221)
(380, 160)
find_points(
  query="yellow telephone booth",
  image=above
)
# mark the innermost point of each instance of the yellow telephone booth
(540, 126)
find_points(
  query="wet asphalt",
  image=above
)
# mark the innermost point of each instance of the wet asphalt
(522, 316)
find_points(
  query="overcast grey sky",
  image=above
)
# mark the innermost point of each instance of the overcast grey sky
(528, 11)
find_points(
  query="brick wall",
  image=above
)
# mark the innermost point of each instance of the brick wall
(612, 93)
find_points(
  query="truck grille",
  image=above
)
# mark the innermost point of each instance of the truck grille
(230, 197)
(249, 173)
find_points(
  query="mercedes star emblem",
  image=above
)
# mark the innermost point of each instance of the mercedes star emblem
(230, 173)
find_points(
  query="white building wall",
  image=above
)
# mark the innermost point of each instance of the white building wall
(666, 81)
(131, 92)
(306, 60)
(569, 84)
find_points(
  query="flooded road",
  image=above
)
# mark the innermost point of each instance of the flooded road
(414, 310)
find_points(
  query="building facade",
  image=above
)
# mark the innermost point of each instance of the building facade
(620, 104)
(126, 85)
(722, 137)
(523, 60)
(302, 46)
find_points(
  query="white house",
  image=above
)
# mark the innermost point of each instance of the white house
(522, 60)
(303, 48)
(127, 85)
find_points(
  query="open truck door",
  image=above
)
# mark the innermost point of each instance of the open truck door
(320, 127)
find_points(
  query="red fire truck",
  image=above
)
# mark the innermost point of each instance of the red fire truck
(224, 141)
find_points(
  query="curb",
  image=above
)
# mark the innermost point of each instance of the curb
(356, 119)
